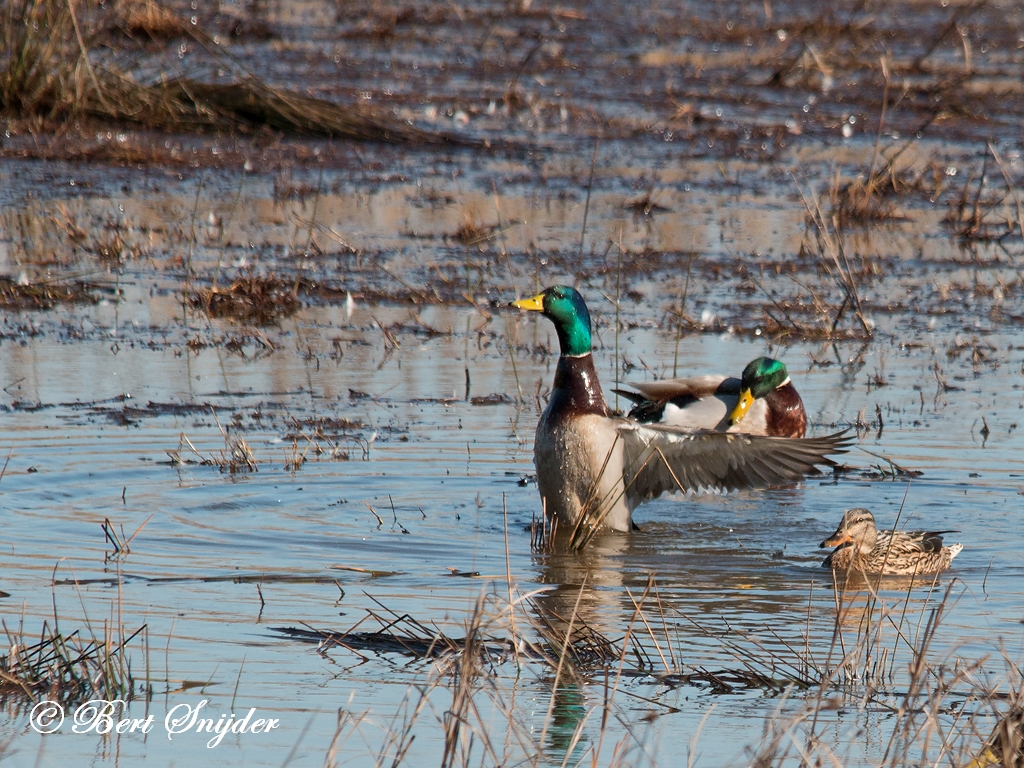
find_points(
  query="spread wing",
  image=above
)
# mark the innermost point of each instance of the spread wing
(660, 459)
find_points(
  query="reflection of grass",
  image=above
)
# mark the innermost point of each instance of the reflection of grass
(46, 238)
(880, 659)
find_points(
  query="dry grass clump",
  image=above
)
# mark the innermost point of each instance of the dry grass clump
(401, 634)
(861, 202)
(15, 294)
(38, 62)
(251, 298)
(251, 103)
(66, 668)
(53, 66)
(236, 455)
(471, 233)
(150, 19)
(872, 199)
(326, 437)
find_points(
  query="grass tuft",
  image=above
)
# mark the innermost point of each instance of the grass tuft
(251, 298)
(65, 668)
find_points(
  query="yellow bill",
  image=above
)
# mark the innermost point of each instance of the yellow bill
(746, 400)
(536, 303)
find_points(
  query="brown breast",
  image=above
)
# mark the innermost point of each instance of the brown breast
(577, 390)
(786, 415)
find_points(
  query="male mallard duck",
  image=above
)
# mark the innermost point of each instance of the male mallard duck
(590, 462)
(763, 401)
(860, 546)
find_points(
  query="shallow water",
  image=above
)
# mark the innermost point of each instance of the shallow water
(412, 395)
(452, 470)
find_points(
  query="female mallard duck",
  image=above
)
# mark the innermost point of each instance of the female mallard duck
(861, 547)
(763, 401)
(592, 465)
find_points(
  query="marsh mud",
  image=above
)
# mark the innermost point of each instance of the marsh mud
(259, 381)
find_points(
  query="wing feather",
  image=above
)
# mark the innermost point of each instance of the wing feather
(660, 459)
(694, 386)
(911, 542)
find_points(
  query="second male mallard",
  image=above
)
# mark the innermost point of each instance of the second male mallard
(592, 463)
(763, 401)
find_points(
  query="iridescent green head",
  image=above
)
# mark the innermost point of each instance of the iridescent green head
(763, 375)
(568, 312)
(760, 377)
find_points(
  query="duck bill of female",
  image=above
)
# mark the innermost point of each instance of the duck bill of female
(536, 303)
(746, 400)
(837, 538)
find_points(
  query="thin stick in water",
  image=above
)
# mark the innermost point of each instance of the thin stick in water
(586, 206)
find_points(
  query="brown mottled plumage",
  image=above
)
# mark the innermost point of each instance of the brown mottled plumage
(860, 546)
